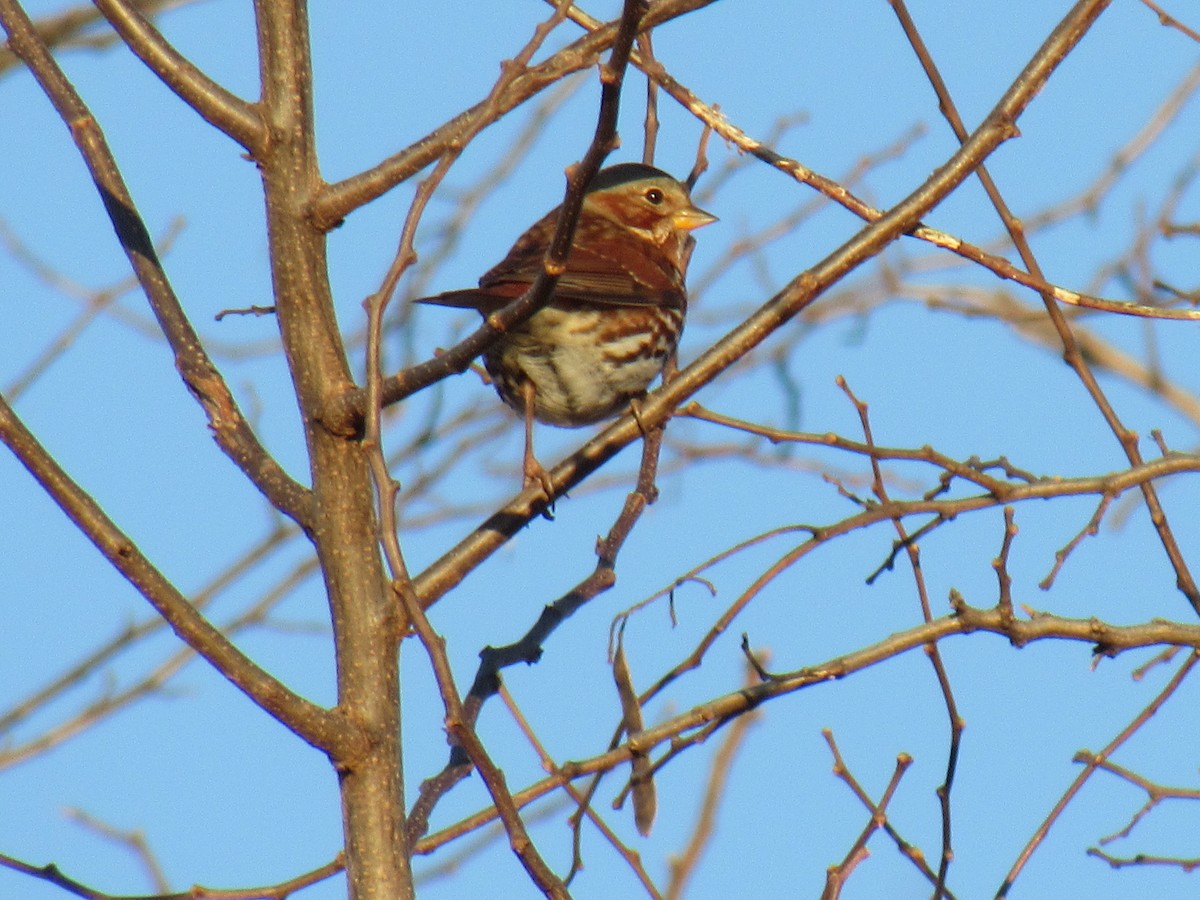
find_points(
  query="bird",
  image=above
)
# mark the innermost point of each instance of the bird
(615, 315)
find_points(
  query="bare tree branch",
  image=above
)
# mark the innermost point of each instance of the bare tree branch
(219, 107)
(319, 727)
(338, 200)
(51, 874)
(1108, 639)
(1071, 352)
(67, 28)
(230, 428)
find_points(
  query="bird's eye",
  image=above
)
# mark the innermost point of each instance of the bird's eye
(654, 195)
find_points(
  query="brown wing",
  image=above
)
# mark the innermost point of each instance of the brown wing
(606, 265)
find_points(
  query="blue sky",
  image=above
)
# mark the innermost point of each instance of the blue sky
(226, 797)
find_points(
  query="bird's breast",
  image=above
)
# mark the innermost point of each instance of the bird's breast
(585, 364)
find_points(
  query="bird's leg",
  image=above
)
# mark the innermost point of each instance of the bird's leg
(670, 370)
(533, 470)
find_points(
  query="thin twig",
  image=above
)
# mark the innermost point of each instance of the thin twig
(627, 853)
(683, 865)
(132, 840)
(1132, 728)
(837, 875)
(1170, 21)
(908, 542)
(51, 874)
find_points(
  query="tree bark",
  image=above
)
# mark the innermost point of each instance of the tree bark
(362, 608)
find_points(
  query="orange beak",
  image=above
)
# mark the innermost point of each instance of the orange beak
(691, 218)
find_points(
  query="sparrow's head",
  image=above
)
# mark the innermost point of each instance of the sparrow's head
(644, 199)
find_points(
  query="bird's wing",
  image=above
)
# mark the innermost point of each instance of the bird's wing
(605, 266)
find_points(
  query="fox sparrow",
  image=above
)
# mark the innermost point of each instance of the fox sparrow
(615, 315)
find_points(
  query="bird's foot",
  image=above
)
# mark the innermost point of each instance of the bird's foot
(535, 474)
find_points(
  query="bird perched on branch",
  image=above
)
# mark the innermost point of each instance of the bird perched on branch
(615, 315)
